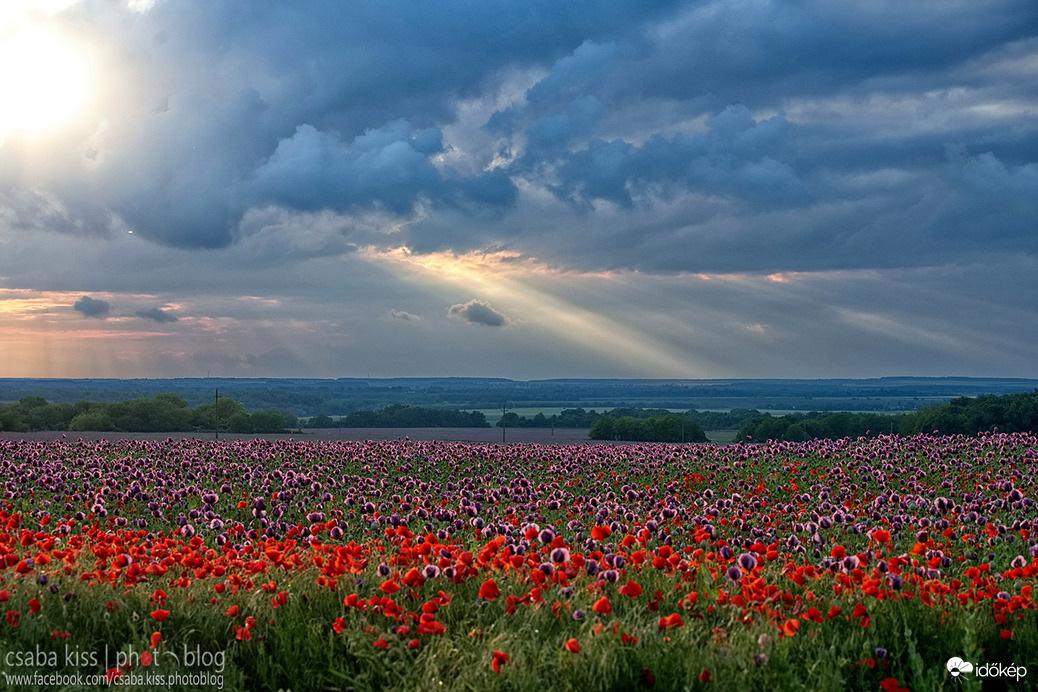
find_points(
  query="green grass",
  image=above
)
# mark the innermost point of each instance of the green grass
(300, 650)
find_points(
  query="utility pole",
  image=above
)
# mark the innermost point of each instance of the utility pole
(504, 423)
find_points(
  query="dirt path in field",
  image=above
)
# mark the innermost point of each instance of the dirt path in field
(491, 435)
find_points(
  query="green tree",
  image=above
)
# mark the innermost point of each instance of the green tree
(12, 420)
(94, 419)
(239, 422)
(49, 416)
(269, 421)
(204, 417)
(321, 420)
(602, 429)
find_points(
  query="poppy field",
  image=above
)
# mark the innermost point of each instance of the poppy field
(864, 564)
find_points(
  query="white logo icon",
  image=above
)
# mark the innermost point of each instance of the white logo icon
(956, 666)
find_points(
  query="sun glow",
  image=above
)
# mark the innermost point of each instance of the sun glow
(521, 286)
(44, 81)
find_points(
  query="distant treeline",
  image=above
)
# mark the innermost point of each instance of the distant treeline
(579, 418)
(161, 413)
(668, 428)
(798, 427)
(172, 413)
(567, 418)
(402, 416)
(964, 415)
(662, 425)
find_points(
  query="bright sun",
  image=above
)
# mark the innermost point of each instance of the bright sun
(44, 82)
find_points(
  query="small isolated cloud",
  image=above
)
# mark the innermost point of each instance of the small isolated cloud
(91, 307)
(478, 312)
(156, 315)
(403, 315)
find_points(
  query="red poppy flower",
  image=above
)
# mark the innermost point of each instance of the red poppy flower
(881, 535)
(12, 617)
(232, 611)
(631, 588)
(156, 637)
(600, 533)
(892, 685)
(705, 676)
(489, 590)
(790, 627)
(389, 587)
(572, 646)
(500, 658)
(160, 614)
(380, 643)
(413, 644)
(339, 625)
(146, 658)
(34, 605)
(602, 606)
(670, 621)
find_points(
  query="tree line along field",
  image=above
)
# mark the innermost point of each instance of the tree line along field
(171, 413)
(863, 563)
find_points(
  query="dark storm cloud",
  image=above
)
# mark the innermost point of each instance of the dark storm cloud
(156, 315)
(815, 132)
(751, 52)
(205, 101)
(478, 312)
(736, 157)
(91, 307)
(387, 168)
(856, 175)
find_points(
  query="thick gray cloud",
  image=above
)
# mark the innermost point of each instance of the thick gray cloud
(478, 312)
(737, 157)
(387, 168)
(214, 112)
(92, 307)
(156, 315)
(403, 315)
(210, 107)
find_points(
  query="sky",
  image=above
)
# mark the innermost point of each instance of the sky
(536, 189)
